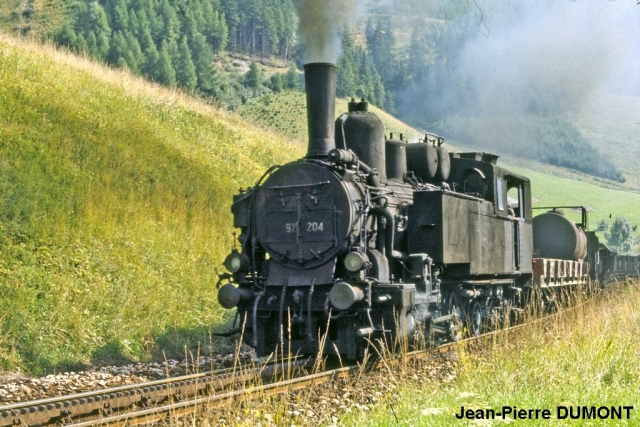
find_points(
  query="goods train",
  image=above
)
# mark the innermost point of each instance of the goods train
(369, 238)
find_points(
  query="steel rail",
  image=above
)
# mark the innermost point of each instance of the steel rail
(181, 409)
(106, 401)
(208, 403)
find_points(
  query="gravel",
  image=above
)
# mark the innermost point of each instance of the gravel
(17, 387)
(322, 404)
(327, 403)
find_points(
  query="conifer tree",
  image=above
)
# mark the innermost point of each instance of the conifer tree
(118, 47)
(143, 23)
(185, 69)
(119, 15)
(253, 78)
(203, 61)
(288, 29)
(276, 82)
(151, 54)
(99, 22)
(221, 35)
(190, 26)
(292, 78)
(156, 23)
(102, 44)
(81, 45)
(233, 16)
(172, 48)
(164, 72)
(380, 42)
(146, 40)
(92, 45)
(195, 10)
(122, 63)
(67, 36)
(134, 57)
(346, 79)
(171, 23)
(134, 24)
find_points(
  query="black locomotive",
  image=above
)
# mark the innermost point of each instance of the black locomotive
(368, 237)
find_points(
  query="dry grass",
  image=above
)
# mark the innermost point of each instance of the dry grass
(587, 356)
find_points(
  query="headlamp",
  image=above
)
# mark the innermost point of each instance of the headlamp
(235, 262)
(355, 261)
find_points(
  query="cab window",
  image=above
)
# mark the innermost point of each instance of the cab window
(515, 199)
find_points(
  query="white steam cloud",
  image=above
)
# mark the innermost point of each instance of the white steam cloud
(564, 52)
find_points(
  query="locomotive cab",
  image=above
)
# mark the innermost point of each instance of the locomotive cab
(483, 228)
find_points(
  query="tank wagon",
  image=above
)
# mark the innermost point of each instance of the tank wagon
(368, 237)
(560, 241)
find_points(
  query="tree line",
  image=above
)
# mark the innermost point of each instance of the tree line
(173, 42)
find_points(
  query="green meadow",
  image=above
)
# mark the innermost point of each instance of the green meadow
(114, 210)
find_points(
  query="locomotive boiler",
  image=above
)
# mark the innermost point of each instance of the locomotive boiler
(369, 238)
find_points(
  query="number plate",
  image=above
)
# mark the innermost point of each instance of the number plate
(315, 226)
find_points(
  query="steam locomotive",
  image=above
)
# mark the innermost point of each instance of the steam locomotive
(369, 238)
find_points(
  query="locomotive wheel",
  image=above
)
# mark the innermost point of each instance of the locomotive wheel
(475, 318)
(454, 306)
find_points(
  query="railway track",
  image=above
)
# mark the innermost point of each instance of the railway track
(100, 405)
(178, 397)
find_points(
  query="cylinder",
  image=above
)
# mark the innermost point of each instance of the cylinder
(353, 105)
(343, 295)
(444, 164)
(320, 87)
(229, 296)
(363, 132)
(396, 153)
(422, 159)
(557, 237)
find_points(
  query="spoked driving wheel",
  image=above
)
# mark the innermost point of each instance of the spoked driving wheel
(454, 307)
(475, 318)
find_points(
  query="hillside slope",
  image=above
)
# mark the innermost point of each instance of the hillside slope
(114, 208)
(285, 112)
(613, 124)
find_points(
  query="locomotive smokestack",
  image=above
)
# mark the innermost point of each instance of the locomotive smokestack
(320, 83)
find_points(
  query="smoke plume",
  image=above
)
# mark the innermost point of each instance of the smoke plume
(516, 72)
(563, 51)
(321, 23)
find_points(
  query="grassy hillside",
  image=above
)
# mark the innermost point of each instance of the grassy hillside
(613, 125)
(114, 198)
(607, 204)
(114, 208)
(33, 17)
